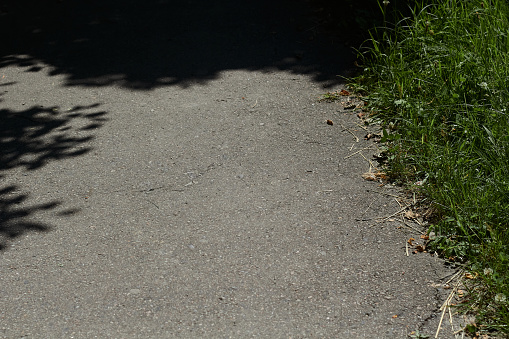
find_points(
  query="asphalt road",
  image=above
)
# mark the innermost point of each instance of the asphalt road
(166, 171)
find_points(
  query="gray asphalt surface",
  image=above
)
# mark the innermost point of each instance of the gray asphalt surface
(167, 172)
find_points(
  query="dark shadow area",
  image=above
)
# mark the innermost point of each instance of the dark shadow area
(13, 219)
(32, 137)
(139, 44)
(29, 139)
(150, 43)
(352, 20)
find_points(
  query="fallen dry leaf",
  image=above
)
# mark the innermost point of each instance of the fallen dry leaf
(410, 241)
(411, 215)
(420, 248)
(374, 176)
(461, 293)
(329, 122)
(344, 93)
(469, 276)
(394, 316)
(360, 115)
(425, 237)
(369, 176)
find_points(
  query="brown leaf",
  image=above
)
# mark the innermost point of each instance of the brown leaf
(329, 122)
(425, 237)
(420, 248)
(410, 241)
(381, 175)
(344, 93)
(369, 176)
(469, 276)
(369, 136)
(394, 316)
(411, 215)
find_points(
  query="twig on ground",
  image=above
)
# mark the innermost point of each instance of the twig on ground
(351, 155)
(410, 226)
(455, 275)
(392, 215)
(400, 206)
(450, 319)
(440, 324)
(367, 208)
(346, 129)
(458, 331)
(444, 307)
(448, 275)
(370, 163)
(363, 127)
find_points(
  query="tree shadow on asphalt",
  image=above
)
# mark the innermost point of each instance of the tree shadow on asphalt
(139, 45)
(152, 43)
(29, 139)
(13, 220)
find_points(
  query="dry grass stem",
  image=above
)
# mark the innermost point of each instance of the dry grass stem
(351, 155)
(370, 163)
(455, 275)
(346, 129)
(411, 227)
(392, 215)
(363, 127)
(388, 194)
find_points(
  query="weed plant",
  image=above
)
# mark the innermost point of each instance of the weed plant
(438, 82)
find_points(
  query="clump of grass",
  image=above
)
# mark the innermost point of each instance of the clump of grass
(439, 83)
(330, 97)
(334, 96)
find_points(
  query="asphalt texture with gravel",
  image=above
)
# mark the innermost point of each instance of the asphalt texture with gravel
(166, 171)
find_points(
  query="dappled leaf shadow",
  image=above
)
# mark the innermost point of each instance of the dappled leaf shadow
(29, 139)
(139, 45)
(151, 43)
(13, 219)
(32, 137)
(15, 215)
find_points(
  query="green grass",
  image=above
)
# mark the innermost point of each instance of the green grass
(438, 82)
